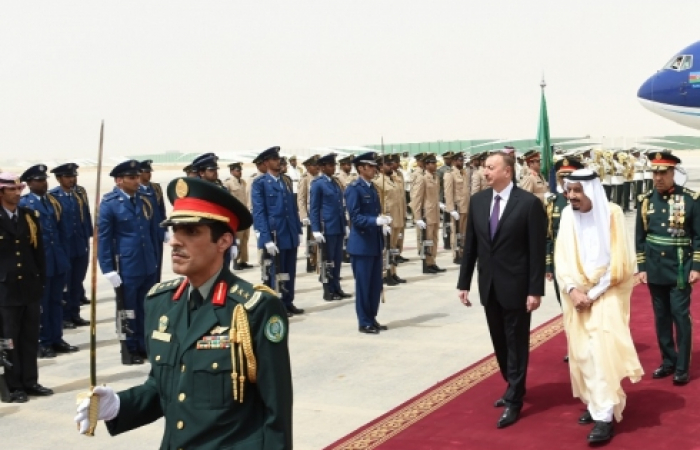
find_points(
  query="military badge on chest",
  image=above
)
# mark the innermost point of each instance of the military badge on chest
(676, 216)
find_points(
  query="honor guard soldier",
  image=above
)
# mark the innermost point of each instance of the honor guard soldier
(638, 180)
(283, 173)
(154, 193)
(277, 220)
(329, 226)
(22, 279)
(238, 187)
(345, 176)
(457, 195)
(390, 192)
(294, 173)
(366, 242)
(303, 197)
(555, 204)
(55, 244)
(668, 257)
(618, 177)
(648, 174)
(446, 168)
(479, 182)
(400, 179)
(77, 222)
(190, 171)
(127, 254)
(426, 210)
(218, 346)
(413, 179)
(534, 182)
(86, 218)
(628, 171)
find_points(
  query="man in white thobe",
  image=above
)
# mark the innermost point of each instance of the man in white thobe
(595, 262)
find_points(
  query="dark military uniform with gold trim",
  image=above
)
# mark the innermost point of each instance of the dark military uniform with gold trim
(555, 205)
(668, 248)
(222, 382)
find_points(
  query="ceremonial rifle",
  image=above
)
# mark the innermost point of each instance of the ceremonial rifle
(425, 244)
(280, 278)
(94, 408)
(5, 344)
(458, 241)
(311, 260)
(325, 267)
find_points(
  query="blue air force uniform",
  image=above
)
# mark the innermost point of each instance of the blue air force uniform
(327, 215)
(86, 218)
(55, 237)
(154, 193)
(365, 245)
(275, 212)
(127, 245)
(78, 226)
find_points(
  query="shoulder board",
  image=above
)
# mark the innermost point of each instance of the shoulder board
(110, 196)
(250, 295)
(691, 193)
(164, 286)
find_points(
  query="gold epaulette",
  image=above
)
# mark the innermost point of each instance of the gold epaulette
(691, 193)
(164, 286)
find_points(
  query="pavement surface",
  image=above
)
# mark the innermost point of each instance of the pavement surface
(342, 378)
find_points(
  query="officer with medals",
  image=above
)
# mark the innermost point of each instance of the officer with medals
(77, 221)
(218, 346)
(55, 243)
(276, 218)
(328, 225)
(22, 279)
(127, 253)
(668, 257)
(155, 195)
(366, 242)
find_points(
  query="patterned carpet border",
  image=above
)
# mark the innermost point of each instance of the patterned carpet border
(404, 416)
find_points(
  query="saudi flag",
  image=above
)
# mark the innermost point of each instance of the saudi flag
(543, 139)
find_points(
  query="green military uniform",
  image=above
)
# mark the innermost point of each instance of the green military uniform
(555, 204)
(668, 248)
(209, 399)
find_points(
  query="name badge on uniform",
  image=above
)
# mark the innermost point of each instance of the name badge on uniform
(160, 336)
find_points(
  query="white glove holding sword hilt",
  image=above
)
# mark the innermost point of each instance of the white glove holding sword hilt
(383, 220)
(109, 407)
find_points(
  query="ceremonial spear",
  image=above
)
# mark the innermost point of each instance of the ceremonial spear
(381, 206)
(94, 408)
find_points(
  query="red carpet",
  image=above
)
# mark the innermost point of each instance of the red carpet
(457, 414)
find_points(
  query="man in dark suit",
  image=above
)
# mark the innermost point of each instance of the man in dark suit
(506, 233)
(22, 278)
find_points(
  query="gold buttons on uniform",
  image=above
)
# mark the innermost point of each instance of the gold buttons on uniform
(180, 424)
(19, 277)
(182, 397)
(19, 264)
(182, 369)
(663, 210)
(157, 357)
(17, 253)
(663, 224)
(663, 253)
(214, 366)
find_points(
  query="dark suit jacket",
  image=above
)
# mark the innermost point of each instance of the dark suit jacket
(513, 264)
(22, 265)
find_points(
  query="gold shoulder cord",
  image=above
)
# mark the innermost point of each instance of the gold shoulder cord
(159, 192)
(550, 212)
(79, 198)
(56, 206)
(32, 231)
(242, 355)
(645, 212)
(147, 208)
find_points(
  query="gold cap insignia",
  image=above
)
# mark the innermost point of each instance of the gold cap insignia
(163, 323)
(181, 188)
(658, 156)
(42, 168)
(565, 162)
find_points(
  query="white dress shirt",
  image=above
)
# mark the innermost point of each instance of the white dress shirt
(505, 195)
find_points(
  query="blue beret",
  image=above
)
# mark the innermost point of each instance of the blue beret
(366, 158)
(326, 159)
(206, 161)
(68, 169)
(37, 172)
(129, 167)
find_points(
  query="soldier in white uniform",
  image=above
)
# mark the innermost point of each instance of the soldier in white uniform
(638, 179)
(295, 173)
(617, 179)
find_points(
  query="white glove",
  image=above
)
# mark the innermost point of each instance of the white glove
(420, 224)
(272, 248)
(257, 235)
(319, 237)
(109, 407)
(306, 221)
(114, 278)
(166, 238)
(442, 206)
(234, 252)
(347, 231)
(386, 229)
(383, 220)
(455, 215)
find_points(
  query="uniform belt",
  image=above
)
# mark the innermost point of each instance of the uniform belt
(670, 241)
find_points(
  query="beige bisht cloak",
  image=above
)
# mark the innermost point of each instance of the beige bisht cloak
(603, 329)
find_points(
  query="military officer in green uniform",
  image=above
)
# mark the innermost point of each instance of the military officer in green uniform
(555, 204)
(217, 345)
(668, 256)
